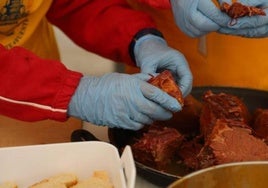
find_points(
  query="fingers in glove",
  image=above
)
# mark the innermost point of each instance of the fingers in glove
(186, 86)
(255, 3)
(128, 123)
(160, 97)
(145, 76)
(213, 12)
(185, 80)
(192, 22)
(257, 32)
(141, 118)
(159, 113)
(250, 22)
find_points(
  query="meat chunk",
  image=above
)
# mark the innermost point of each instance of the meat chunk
(166, 82)
(186, 121)
(222, 106)
(260, 123)
(188, 152)
(236, 10)
(157, 146)
(230, 143)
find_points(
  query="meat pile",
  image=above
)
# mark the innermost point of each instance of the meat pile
(227, 132)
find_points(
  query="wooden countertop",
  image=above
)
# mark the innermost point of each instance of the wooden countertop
(18, 133)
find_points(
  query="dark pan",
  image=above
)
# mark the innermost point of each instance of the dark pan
(120, 137)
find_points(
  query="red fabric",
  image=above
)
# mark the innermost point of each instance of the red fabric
(102, 27)
(163, 4)
(35, 89)
(32, 88)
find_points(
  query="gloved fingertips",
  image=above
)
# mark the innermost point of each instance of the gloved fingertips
(163, 115)
(136, 126)
(166, 117)
(172, 105)
(185, 91)
(130, 124)
(142, 76)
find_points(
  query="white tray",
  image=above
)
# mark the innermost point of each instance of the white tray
(26, 165)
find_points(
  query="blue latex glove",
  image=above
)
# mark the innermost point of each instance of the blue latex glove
(193, 16)
(153, 55)
(254, 26)
(121, 100)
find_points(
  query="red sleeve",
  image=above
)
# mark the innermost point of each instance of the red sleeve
(32, 88)
(163, 4)
(105, 27)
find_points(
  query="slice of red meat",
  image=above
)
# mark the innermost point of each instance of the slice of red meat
(157, 146)
(260, 123)
(228, 143)
(222, 106)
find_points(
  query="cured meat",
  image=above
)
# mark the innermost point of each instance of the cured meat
(227, 134)
(157, 146)
(260, 123)
(189, 150)
(186, 121)
(166, 82)
(158, 143)
(230, 143)
(237, 10)
(222, 106)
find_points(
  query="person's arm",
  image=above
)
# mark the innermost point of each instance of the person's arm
(163, 4)
(100, 26)
(34, 89)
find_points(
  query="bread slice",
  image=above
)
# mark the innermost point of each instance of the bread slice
(68, 179)
(93, 182)
(99, 179)
(48, 184)
(8, 185)
(64, 180)
(101, 174)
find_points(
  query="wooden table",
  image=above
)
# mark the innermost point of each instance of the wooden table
(18, 133)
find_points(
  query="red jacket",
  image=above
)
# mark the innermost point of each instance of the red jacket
(32, 90)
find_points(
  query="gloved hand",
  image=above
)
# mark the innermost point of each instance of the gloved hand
(254, 26)
(152, 54)
(193, 17)
(121, 100)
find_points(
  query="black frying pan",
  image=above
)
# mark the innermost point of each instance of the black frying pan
(120, 137)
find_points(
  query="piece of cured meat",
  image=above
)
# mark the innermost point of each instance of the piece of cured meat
(186, 121)
(260, 123)
(166, 82)
(222, 106)
(228, 143)
(157, 146)
(188, 152)
(237, 10)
